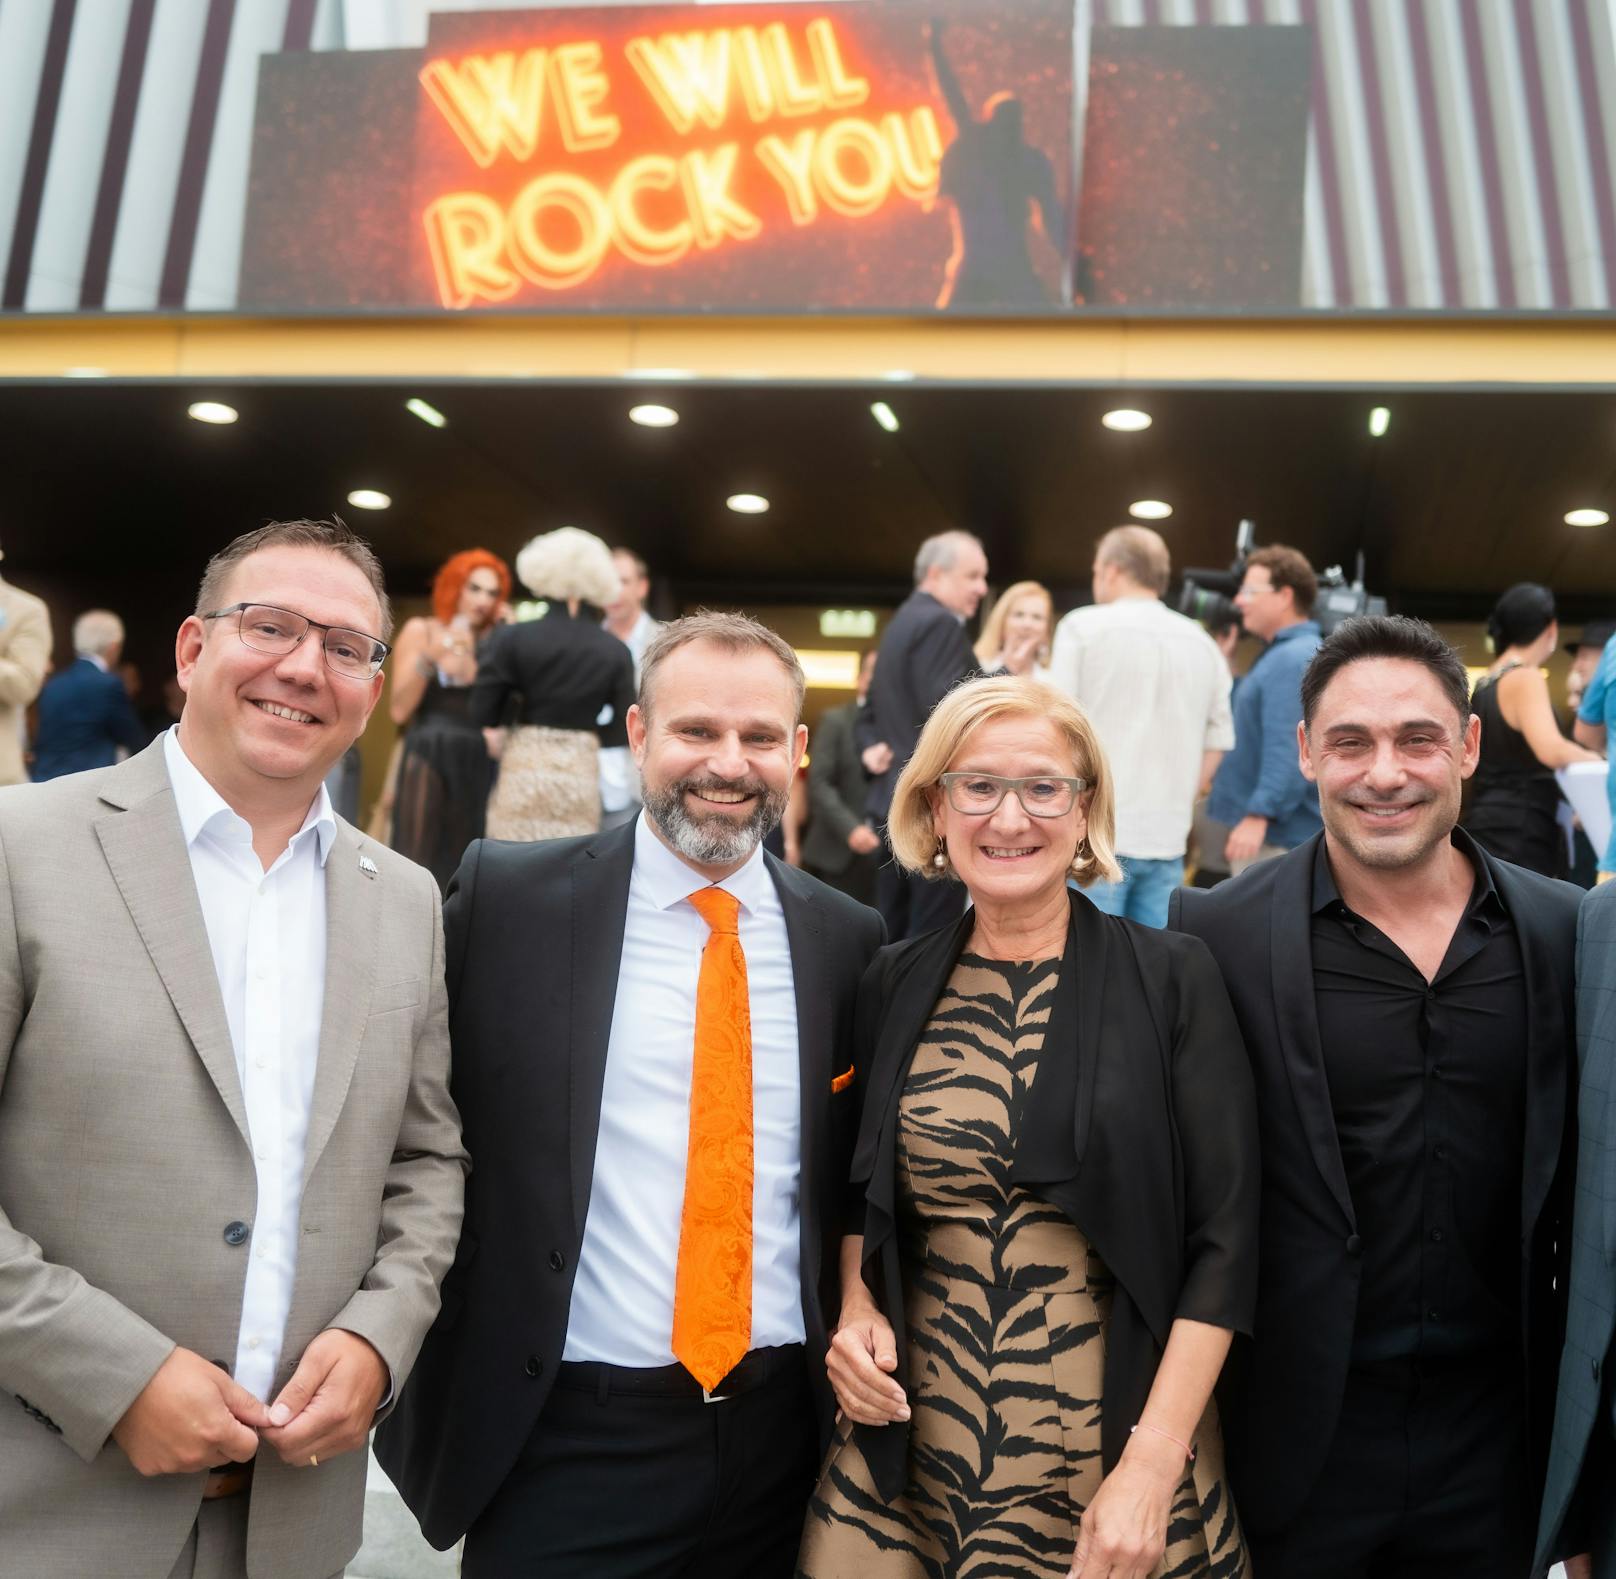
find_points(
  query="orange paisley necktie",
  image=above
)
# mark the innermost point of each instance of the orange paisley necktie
(712, 1297)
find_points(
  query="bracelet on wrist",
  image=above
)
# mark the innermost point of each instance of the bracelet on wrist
(1188, 1450)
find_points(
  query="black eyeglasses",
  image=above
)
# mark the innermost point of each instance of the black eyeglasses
(977, 794)
(265, 628)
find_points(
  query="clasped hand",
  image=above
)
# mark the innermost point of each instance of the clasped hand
(192, 1415)
(863, 1354)
(1123, 1531)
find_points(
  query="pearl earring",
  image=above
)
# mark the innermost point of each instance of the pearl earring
(940, 859)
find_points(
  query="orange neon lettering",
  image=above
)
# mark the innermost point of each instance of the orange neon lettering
(578, 86)
(841, 91)
(492, 102)
(687, 74)
(465, 233)
(791, 164)
(792, 94)
(752, 72)
(550, 267)
(843, 192)
(635, 238)
(713, 212)
(917, 151)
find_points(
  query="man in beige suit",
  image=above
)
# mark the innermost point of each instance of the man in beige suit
(25, 651)
(230, 1170)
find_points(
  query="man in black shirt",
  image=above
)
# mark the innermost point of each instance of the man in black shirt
(1406, 1001)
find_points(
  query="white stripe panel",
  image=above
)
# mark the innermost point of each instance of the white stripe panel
(1411, 184)
(330, 30)
(1528, 259)
(1082, 38)
(1178, 13)
(1562, 95)
(1318, 281)
(1232, 13)
(1127, 13)
(93, 55)
(1602, 35)
(155, 150)
(1461, 155)
(216, 263)
(24, 30)
(1366, 251)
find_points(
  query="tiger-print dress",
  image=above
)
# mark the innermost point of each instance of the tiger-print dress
(1006, 1309)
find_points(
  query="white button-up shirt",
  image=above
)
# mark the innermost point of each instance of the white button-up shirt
(267, 934)
(622, 1299)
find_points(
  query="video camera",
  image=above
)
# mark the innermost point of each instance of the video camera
(1208, 595)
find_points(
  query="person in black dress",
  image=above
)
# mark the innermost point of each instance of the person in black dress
(445, 771)
(1514, 799)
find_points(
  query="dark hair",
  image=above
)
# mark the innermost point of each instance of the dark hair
(1521, 615)
(1288, 567)
(333, 535)
(1385, 636)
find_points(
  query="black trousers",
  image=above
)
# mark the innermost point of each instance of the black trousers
(625, 1486)
(1427, 1475)
(912, 905)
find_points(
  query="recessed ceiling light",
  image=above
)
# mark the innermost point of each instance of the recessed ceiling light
(1150, 509)
(214, 411)
(1379, 420)
(369, 499)
(747, 503)
(653, 416)
(84, 372)
(885, 415)
(1127, 420)
(1587, 517)
(898, 375)
(430, 415)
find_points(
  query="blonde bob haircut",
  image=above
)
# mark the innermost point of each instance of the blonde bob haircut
(948, 731)
(990, 644)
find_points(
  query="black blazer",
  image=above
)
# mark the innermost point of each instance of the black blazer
(837, 785)
(1281, 1395)
(1142, 1129)
(924, 654)
(564, 668)
(533, 940)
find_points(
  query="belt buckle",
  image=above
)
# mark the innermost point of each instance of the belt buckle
(713, 1398)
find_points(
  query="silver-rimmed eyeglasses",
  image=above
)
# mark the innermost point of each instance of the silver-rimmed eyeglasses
(265, 628)
(977, 794)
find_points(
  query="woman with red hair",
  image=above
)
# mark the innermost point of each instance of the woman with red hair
(446, 772)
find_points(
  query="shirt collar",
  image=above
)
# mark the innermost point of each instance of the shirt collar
(1293, 632)
(97, 660)
(668, 881)
(202, 809)
(1484, 895)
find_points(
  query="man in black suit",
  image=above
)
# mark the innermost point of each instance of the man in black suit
(840, 846)
(924, 654)
(1407, 1005)
(650, 1031)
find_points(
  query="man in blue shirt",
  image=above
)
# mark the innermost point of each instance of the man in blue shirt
(1594, 717)
(1259, 792)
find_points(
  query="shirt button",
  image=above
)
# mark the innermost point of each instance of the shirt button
(236, 1233)
(1433, 1314)
(1436, 1236)
(252, 1343)
(1436, 1071)
(557, 1261)
(1440, 1153)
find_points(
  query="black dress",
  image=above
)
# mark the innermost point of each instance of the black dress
(1514, 799)
(444, 778)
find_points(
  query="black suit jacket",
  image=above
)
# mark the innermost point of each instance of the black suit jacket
(837, 785)
(924, 654)
(533, 941)
(1281, 1394)
(1141, 1129)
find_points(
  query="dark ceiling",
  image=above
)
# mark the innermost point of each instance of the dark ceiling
(1464, 495)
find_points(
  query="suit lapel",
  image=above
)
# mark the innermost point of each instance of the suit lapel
(1296, 1012)
(600, 881)
(353, 903)
(145, 851)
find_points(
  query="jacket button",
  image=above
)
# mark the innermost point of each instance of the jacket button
(236, 1233)
(557, 1261)
(1354, 1245)
(535, 1366)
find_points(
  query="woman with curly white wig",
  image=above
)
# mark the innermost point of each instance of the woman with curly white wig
(559, 673)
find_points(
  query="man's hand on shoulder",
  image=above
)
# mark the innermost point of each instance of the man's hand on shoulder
(329, 1405)
(191, 1415)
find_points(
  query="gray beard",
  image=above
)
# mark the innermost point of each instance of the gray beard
(713, 839)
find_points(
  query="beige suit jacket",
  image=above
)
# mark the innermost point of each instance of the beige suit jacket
(124, 1157)
(25, 651)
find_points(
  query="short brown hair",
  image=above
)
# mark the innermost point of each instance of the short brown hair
(1288, 567)
(734, 633)
(1139, 553)
(334, 536)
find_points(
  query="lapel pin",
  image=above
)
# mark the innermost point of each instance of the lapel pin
(367, 866)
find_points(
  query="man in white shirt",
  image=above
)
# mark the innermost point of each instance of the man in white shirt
(652, 1056)
(1157, 689)
(627, 620)
(230, 1172)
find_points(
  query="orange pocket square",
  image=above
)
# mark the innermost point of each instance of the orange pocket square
(842, 1081)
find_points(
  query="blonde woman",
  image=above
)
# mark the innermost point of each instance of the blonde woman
(1017, 630)
(1055, 1195)
(559, 672)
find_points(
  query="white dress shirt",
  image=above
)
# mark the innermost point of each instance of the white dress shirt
(619, 778)
(1157, 689)
(622, 1299)
(267, 934)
